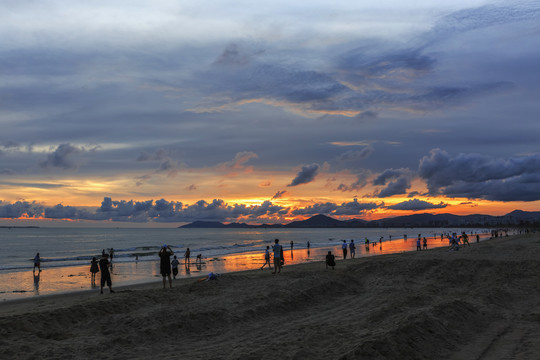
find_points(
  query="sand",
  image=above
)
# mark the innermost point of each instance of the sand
(482, 302)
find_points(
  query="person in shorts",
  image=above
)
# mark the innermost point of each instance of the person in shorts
(105, 274)
(278, 254)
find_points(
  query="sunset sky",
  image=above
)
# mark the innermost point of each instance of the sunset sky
(166, 112)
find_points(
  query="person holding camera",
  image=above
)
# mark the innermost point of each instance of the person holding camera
(165, 263)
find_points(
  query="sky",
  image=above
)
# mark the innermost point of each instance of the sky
(166, 112)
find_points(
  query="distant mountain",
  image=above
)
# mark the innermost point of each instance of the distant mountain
(204, 224)
(515, 218)
(320, 221)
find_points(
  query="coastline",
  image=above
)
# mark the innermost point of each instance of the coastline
(479, 302)
(65, 279)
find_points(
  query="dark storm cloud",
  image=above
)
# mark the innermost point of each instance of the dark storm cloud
(482, 176)
(306, 175)
(416, 205)
(61, 157)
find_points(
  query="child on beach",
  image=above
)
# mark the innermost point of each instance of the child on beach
(174, 264)
(267, 258)
(94, 269)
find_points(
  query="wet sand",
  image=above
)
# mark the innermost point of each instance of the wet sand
(482, 302)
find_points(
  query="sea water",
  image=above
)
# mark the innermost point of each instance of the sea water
(66, 252)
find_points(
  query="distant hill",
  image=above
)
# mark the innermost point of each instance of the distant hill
(515, 218)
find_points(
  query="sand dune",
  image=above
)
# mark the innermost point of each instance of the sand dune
(481, 302)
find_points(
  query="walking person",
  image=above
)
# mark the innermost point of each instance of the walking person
(278, 256)
(105, 274)
(267, 258)
(165, 263)
(186, 257)
(424, 244)
(37, 263)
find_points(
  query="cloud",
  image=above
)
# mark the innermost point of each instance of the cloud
(356, 155)
(61, 157)
(361, 181)
(306, 175)
(279, 194)
(416, 205)
(476, 176)
(19, 209)
(166, 164)
(347, 208)
(239, 161)
(397, 182)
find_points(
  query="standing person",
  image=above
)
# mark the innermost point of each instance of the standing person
(465, 239)
(292, 244)
(344, 248)
(405, 237)
(111, 254)
(278, 254)
(330, 260)
(186, 257)
(352, 247)
(94, 269)
(418, 248)
(105, 274)
(37, 263)
(308, 245)
(174, 264)
(165, 263)
(477, 238)
(424, 243)
(267, 258)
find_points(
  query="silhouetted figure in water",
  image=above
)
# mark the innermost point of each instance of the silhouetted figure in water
(37, 262)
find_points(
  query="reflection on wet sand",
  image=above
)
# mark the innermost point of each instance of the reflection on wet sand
(63, 279)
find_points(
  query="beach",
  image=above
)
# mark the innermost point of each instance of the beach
(482, 302)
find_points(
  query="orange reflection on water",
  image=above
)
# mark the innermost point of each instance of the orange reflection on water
(64, 279)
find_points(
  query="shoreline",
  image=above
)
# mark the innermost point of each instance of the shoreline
(479, 302)
(62, 280)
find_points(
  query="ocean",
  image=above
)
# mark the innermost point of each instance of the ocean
(66, 252)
